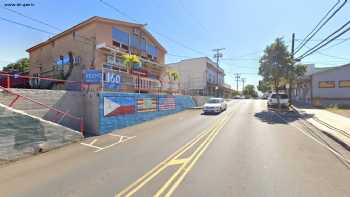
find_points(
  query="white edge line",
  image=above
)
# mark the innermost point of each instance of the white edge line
(313, 138)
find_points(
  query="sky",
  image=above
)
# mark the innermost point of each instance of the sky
(190, 28)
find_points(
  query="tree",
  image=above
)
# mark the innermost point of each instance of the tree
(130, 61)
(235, 93)
(264, 86)
(21, 65)
(274, 64)
(249, 90)
(173, 75)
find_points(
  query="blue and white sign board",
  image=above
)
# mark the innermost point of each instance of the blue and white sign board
(112, 80)
(92, 76)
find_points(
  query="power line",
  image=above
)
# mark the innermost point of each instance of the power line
(248, 54)
(179, 43)
(332, 56)
(238, 59)
(47, 24)
(118, 10)
(322, 44)
(27, 26)
(339, 43)
(157, 32)
(318, 40)
(182, 56)
(319, 26)
(192, 16)
(328, 55)
(31, 18)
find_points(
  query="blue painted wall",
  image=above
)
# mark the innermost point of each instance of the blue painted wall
(111, 122)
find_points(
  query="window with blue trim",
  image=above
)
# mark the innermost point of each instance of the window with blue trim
(152, 50)
(134, 41)
(143, 45)
(120, 36)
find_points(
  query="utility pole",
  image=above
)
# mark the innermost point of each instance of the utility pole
(217, 56)
(293, 40)
(291, 67)
(237, 77)
(243, 81)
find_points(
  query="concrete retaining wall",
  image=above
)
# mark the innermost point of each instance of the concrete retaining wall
(136, 108)
(22, 134)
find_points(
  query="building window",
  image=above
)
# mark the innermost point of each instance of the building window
(152, 50)
(120, 36)
(344, 84)
(326, 84)
(73, 35)
(126, 47)
(117, 44)
(134, 41)
(143, 44)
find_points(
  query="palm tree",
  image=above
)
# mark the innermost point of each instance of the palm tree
(130, 60)
(173, 75)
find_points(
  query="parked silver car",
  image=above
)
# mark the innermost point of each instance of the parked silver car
(215, 105)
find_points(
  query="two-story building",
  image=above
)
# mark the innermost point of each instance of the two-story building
(200, 76)
(99, 43)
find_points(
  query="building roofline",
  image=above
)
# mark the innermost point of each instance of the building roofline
(91, 20)
(198, 58)
(331, 69)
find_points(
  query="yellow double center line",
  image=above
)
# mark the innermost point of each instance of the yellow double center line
(186, 164)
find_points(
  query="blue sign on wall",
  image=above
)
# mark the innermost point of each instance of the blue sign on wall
(92, 76)
(112, 80)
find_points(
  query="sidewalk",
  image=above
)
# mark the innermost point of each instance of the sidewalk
(330, 123)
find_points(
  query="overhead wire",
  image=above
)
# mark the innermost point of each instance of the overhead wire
(326, 41)
(320, 25)
(157, 32)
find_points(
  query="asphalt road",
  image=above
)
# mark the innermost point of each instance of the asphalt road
(244, 151)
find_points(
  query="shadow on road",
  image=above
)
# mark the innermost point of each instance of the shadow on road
(274, 116)
(210, 114)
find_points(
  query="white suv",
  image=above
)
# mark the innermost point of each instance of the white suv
(273, 100)
(215, 105)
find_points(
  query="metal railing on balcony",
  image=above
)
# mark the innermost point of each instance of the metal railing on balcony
(123, 81)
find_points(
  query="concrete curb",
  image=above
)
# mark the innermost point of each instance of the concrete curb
(332, 134)
(199, 107)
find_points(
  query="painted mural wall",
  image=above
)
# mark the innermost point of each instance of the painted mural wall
(119, 110)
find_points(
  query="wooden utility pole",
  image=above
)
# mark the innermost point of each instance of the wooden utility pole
(243, 81)
(217, 56)
(289, 71)
(237, 77)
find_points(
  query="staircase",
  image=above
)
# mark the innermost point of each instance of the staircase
(69, 102)
(47, 97)
(22, 135)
